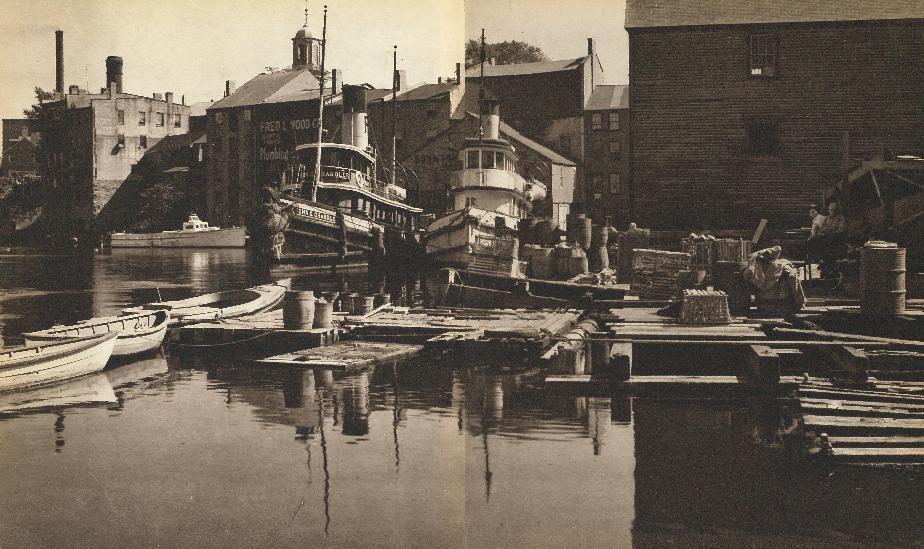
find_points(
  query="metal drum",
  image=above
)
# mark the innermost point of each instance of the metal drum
(298, 310)
(323, 314)
(578, 262)
(726, 276)
(600, 236)
(598, 258)
(882, 278)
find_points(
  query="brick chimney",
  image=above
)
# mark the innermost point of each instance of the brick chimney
(59, 62)
(114, 71)
(336, 81)
(230, 86)
(168, 97)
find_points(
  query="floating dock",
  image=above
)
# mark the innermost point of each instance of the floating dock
(348, 356)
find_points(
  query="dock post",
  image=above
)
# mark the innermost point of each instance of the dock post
(762, 367)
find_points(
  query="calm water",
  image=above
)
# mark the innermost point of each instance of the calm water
(178, 451)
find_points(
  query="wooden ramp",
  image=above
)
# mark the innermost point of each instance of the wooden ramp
(348, 356)
(866, 426)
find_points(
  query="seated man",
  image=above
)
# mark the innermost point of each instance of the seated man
(779, 292)
(832, 238)
(813, 249)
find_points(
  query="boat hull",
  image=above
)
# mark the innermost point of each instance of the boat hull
(34, 366)
(226, 304)
(472, 246)
(220, 238)
(138, 333)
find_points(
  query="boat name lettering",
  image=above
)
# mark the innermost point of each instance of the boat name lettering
(340, 174)
(305, 211)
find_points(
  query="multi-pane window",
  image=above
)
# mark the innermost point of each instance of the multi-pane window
(596, 121)
(614, 120)
(142, 118)
(472, 159)
(120, 116)
(487, 159)
(615, 183)
(160, 119)
(564, 144)
(763, 48)
(614, 149)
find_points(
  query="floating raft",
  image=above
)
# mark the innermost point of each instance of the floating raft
(866, 426)
(264, 330)
(347, 356)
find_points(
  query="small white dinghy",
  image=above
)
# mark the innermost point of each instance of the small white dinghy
(35, 365)
(226, 304)
(138, 333)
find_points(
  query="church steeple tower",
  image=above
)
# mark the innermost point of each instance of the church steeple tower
(306, 49)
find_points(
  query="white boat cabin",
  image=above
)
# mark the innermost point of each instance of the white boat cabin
(196, 224)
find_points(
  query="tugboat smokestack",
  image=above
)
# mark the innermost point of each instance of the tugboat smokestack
(354, 127)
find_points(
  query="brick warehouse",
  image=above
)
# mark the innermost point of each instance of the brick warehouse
(91, 141)
(743, 111)
(606, 158)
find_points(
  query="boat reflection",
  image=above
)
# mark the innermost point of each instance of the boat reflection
(90, 390)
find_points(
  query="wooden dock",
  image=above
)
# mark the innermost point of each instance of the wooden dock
(347, 356)
(255, 335)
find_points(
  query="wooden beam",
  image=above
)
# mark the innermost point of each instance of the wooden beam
(862, 424)
(763, 366)
(853, 360)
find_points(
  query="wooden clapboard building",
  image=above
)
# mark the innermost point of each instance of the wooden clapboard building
(750, 110)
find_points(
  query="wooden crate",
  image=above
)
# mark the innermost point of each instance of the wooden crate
(704, 307)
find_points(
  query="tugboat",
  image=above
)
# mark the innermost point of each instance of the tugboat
(347, 216)
(488, 200)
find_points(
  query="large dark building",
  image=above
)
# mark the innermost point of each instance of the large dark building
(750, 110)
(18, 149)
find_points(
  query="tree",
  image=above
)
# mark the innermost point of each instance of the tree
(504, 53)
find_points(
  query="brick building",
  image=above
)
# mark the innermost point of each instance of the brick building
(91, 141)
(742, 111)
(606, 166)
(19, 148)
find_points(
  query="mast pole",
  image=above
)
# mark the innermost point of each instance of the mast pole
(394, 116)
(317, 160)
(481, 94)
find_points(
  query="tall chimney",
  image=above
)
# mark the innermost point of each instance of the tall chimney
(168, 97)
(230, 86)
(490, 118)
(354, 125)
(59, 62)
(336, 81)
(459, 73)
(590, 46)
(114, 71)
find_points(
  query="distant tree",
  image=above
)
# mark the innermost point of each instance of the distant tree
(508, 52)
(33, 112)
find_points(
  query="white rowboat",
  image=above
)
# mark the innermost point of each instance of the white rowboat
(225, 304)
(138, 333)
(35, 365)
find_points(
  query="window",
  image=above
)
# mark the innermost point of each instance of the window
(120, 140)
(564, 144)
(143, 142)
(596, 182)
(431, 114)
(487, 159)
(471, 159)
(763, 136)
(615, 184)
(219, 118)
(120, 117)
(499, 161)
(615, 148)
(142, 118)
(232, 121)
(177, 120)
(763, 54)
(596, 146)
(614, 120)
(596, 121)
(160, 119)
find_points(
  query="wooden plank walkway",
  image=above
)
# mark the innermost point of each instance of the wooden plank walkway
(252, 333)
(660, 386)
(347, 356)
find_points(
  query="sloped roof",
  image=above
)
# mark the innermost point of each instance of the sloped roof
(608, 97)
(424, 91)
(538, 148)
(275, 87)
(681, 13)
(525, 68)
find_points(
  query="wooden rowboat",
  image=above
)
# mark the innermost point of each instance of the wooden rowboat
(138, 333)
(225, 304)
(35, 365)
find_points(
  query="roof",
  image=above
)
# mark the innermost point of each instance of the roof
(274, 87)
(608, 97)
(538, 67)
(681, 13)
(514, 135)
(422, 92)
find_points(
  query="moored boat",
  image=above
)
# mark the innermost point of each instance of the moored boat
(36, 365)
(138, 333)
(224, 304)
(194, 234)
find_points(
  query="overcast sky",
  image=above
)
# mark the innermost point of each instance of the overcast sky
(192, 47)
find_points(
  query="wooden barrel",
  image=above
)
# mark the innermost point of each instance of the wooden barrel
(575, 225)
(323, 314)
(584, 234)
(365, 304)
(381, 298)
(539, 259)
(577, 262)
(598, 258)
(882, 278)
(600, 236)
(298, 310)
(348, 303)
(560, 261)
(726, 276)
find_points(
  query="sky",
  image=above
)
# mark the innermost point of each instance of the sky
(192, 47)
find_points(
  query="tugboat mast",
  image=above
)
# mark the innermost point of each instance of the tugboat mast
(317, 160)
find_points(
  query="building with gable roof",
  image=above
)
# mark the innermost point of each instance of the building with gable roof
(750, 110)
(606, 155)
